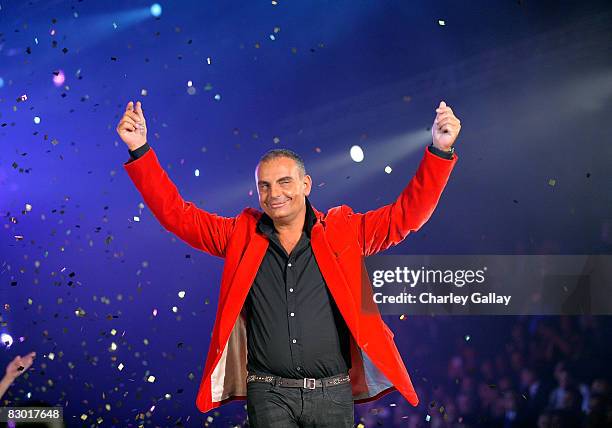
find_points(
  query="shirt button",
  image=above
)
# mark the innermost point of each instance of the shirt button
(299, 368)
(291, 290)
(289, 264)
(292, 314)
(294, 341)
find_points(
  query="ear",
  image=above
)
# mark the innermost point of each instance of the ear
(307, 184)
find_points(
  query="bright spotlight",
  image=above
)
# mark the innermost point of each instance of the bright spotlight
(6, 339)
(156, 10)
(356, 153)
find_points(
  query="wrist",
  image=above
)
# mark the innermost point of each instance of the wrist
(7, 380)
(136, 147)
(448, 149)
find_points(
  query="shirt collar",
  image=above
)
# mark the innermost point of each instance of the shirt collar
(265, 224)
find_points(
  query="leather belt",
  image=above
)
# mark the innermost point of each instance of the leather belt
(307, 383)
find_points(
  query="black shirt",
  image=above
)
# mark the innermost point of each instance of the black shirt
(294, 328)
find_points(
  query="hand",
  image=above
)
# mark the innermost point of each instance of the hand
(445, 128)
(132, 127)
(19, 365)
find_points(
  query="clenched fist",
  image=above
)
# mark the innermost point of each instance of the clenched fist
(132, 126)
(445, 128)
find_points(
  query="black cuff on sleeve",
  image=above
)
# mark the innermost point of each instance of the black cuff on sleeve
(436, 151)
(135, 154)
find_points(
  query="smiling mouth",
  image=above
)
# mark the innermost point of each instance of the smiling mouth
(275, 206)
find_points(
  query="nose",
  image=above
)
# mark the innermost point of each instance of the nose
(275, 192)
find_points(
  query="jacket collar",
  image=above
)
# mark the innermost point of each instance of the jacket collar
(265, 224)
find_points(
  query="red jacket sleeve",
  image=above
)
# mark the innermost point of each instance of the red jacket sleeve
(205, 231)
(381, 228)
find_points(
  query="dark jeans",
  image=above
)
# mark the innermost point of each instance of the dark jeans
(283, 407)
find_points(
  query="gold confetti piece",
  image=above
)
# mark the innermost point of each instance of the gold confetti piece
(113, 332)
(151, 379)
(181, 294)
(28, 207)
(441, 22)
(402, 317)
(83, 417)
(552, 182)
(51, 356)
(120, 366)
(113, 346)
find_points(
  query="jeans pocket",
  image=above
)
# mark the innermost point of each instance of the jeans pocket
(341, 394)
(256, 388)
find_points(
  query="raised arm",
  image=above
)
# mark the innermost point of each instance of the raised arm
(388, 225)
(203, 230)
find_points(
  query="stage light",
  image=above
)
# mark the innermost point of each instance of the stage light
(58, 78)
(356, 153)
(6, 339)
(156, 10)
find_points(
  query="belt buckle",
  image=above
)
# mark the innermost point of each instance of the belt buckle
(308, 381)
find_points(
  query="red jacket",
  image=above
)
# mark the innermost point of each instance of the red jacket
(340, 240)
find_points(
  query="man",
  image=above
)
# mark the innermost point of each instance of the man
(296, 330)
